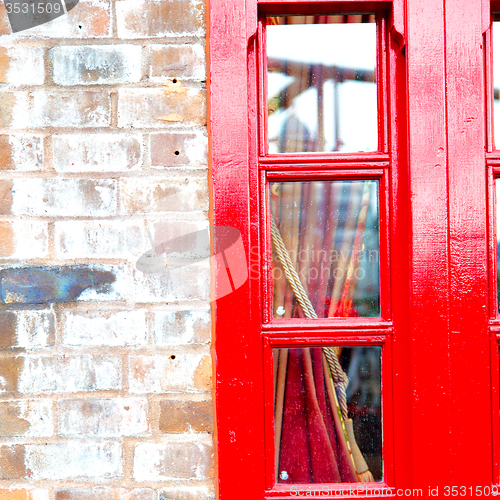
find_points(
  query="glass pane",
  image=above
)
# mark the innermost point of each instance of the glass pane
(322, 94)
(496, 77)
(326, 249)
(327, 431)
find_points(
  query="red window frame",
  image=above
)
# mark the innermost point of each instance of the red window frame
(439, 306)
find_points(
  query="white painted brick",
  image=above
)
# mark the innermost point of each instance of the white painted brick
(190, 282)
(35, 328)
(91, 19)
(152, 195)
(176, 327)
(61, 108)
(161, 108)
(74, 460)
(108, 328)
(149, 18)
(47, 374)
(102, 238)
(174, 61)
(26, 418)
(158, 374)
(27, 152)
(96, 64)
(22, 65)
(29, 239)
(97, 152)
(187, 493)
(102, 493)
(173, 149)
(170, 461)
(103, 417)
(64, 197)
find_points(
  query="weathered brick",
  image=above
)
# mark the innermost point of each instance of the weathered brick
(105, 494)
(9, 103)
(187, 493)
(96, 64)
(160, 462)
(97, 152)
(15, 495)
(110, 328)
(51, 284)
(58, 374)
(146, 18)
(26, 418)
(101, 239)
(23, 239)
(26, 329)
(55, 108)
(21, 152)
(155, 108)
(10, 371)
(176, 61)
(176, 194)
(178, 417)
(74, 460)
(62, 197)
(179, 372)
(22, 494)
(182, 327)
(21, 65)
(12, 465)
(177, 284)
(90, 20)
(172, 149)
(103, 417)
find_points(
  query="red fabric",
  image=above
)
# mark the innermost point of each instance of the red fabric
(313, 447)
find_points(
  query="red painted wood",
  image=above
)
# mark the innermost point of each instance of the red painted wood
(469, 334)
(438, 246)
(238, 351)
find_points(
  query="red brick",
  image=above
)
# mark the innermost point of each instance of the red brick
(186, 416)
(15, 495)
(12, 462)
(10, 369)
(7, 243)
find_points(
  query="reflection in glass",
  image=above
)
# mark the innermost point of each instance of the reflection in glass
(328, 414)
(326, 249)
(322, 94)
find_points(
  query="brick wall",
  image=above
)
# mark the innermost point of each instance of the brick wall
(105, 371)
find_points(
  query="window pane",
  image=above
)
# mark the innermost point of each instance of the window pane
(327, 431)
(322, 94)
(326, 249)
